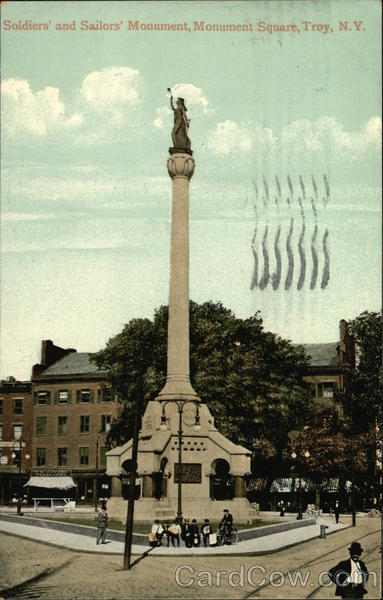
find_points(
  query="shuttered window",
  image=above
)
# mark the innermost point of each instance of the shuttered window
(41, 425)
(42, 398)
(84, 456)
(85, 395)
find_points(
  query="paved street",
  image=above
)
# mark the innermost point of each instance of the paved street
(63, 573)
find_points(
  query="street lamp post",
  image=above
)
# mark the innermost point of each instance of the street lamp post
(27, 457)
(294, 455)
(180, 406)
(96, 482)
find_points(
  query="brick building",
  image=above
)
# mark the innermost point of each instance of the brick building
(329, 365)
(15, 436)
(72, 413)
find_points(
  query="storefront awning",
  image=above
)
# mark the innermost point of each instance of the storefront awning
(257, 484)
(286, 485)
(58, 483)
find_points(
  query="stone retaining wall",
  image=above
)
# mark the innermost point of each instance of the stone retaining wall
(141, 539)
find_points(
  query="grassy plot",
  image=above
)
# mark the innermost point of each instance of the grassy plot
(140, 527)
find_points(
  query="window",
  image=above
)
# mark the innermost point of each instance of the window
(84, 424)
(106, 421)
(41, 457)
(63, 397)
(1, 406)
(84, 395)
(42, 398)
(62, 425)
(328, 389)
(16, 457)
(103, 456)
(62, 455)
(324, 389)
(18, 406)
(41, 425)
(17, 432)
(84, 456)
(105, 394)
(1, 432)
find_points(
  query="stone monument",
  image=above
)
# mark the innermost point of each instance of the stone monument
(182, 458)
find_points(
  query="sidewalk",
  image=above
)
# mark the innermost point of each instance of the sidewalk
(253, 547)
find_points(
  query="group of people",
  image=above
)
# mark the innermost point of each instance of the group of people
(187, 530)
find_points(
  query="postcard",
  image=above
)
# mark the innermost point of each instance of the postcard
(191, 235)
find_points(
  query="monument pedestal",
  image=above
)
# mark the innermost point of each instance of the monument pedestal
(214, 470)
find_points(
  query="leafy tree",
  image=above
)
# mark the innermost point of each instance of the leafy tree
(126, 356)
(333, 450)
(250, 379)
(364, 404)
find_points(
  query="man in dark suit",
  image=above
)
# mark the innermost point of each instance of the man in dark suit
(337, 511)
(350, 576)
(227, 520)
(102, 523)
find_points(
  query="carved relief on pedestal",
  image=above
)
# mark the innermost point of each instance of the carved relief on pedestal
(181, 165)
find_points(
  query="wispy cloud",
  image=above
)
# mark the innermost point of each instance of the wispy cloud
(21, 216)
(300, 139)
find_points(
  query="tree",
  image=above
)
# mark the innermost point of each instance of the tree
(333, 450)
(366, 382)
(250, 379)
(125, 356)
(364, 405)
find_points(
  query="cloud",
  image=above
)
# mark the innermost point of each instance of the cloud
(103, 189)
(229, 136)
(111, 88)
(39, 113)
(163, 116)
(327, 135)
(300, 139)
(21, 216)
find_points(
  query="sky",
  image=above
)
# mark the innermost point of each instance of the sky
(285, 209)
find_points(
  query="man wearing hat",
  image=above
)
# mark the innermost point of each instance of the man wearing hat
(350, 576)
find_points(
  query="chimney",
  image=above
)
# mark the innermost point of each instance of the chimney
(346, 346)
(49, 355)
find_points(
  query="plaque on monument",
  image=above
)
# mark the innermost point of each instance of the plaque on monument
(191, 472)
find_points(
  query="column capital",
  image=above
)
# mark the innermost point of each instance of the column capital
(181, 165)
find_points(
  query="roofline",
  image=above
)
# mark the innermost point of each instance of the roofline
(69, 377)
(324, 369)
(9, 388)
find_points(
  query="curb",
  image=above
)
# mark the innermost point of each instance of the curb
(185, 554)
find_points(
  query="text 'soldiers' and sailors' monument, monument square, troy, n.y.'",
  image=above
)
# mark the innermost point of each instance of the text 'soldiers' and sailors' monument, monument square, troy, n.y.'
(213, 470)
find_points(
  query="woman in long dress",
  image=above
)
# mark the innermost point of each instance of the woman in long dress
(181, 125)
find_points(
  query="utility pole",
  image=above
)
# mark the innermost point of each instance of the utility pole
(96, 482)
(133, 472)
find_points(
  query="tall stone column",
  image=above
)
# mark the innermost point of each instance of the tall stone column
(178, 386)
